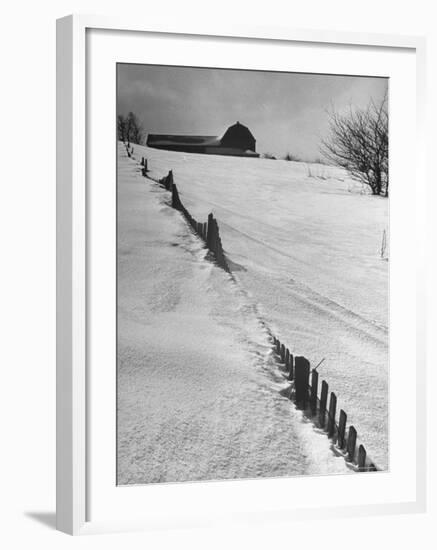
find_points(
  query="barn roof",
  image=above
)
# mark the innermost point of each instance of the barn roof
(236, 139)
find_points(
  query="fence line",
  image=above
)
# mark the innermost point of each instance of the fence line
(322, 414)
(303, 392)
(207, 231)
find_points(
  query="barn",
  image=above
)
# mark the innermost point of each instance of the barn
(237, 141)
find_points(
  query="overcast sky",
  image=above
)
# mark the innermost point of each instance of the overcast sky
(286, 112)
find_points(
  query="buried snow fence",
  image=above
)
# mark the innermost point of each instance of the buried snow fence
(302, 391)
(129, 150)
(208, 231)
(305, 393)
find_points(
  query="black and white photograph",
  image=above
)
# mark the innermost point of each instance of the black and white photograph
(219, 268)
(253, 254)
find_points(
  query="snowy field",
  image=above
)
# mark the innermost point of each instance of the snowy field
(198, 390)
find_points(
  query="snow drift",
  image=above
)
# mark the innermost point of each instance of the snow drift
(198, 387)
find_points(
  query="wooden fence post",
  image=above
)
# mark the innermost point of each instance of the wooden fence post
(291, 364)
(215, 243)
(287, 359)
(216, 237)
(341, 429)
(331, 414)
(282, 352)
(175, 200)
(302, 376)
(209, 235)
(323, 400)
(351, 443)
(169, 180)
(362, 458)
(212, 235)
(145, 166)
(314, 388)
(278, 347)
(219, 250)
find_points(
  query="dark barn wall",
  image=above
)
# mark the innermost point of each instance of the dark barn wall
(238, 137)
(182, 148)
(185, 144)
(235, 141)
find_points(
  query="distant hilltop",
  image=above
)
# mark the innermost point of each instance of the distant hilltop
(237, 141)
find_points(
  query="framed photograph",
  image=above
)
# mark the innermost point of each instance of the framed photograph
(240, 275)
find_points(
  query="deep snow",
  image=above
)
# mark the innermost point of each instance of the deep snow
(304, 242)
(198, 388)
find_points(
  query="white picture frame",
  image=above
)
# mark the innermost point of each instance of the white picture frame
(73, 339)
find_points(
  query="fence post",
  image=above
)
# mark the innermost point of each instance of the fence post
(282, 352)
(210, 231)
(291, 363)
(314, 387)
(362, 458)
(323, 400)
(145, 166)
(212, 234)
(219, 250)
(341, 429)
(169, 180)
(351, 443)
(278, 347)
(216, 237)
(302, 376)
(175, 200)
(287, 359)
(331, 414)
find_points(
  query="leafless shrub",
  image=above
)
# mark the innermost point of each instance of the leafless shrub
(130, 129)
(358, 142)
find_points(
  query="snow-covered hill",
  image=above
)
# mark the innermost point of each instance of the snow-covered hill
(198, 393)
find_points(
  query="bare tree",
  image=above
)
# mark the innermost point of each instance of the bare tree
(121, 128)
(358, 141)
(130, 129)
(135, 129)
